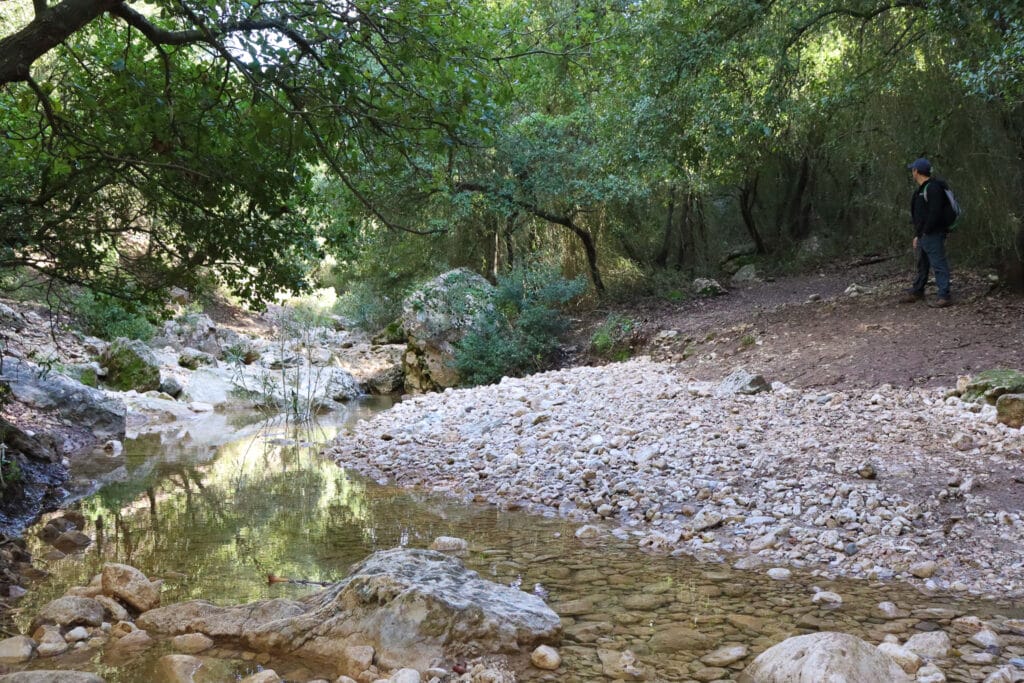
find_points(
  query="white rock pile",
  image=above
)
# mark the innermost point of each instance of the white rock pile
(889, 483)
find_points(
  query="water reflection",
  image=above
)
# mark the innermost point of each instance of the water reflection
(215, 512)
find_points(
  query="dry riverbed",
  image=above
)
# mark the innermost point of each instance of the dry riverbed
(880, 483)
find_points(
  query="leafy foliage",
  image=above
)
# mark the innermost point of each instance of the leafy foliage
(612, 337)
(520, 332)
(368, 308)
(109, 318)
(246, 141)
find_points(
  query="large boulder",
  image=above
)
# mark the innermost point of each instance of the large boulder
(302, 389)
(415, 608)
(131, 586)
(45, 390)
(209, 385)
(69, 611)
(435, 318)
(1010, 410)
(16, 649)
(826, 657)
(131, 364)
(378, 369)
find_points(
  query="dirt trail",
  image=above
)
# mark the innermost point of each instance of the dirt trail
(807, 332)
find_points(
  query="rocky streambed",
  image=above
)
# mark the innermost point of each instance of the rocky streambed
(632, 601)
(891, 483)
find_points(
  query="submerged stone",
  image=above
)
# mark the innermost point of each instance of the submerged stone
(827, 656)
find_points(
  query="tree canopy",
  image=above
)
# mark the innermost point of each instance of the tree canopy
(242, 140)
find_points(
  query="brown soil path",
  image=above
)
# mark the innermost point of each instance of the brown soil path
(805, 331)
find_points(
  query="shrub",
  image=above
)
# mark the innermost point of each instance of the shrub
(520, 333)
(109, 318)
(611, 339)
(367, 308)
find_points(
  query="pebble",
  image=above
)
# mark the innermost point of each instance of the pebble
(827, 597)
(724, 656)
(589, 531)
(930, 674)
(449, 544)
(908, 661)
(924, 570)
(546, 657)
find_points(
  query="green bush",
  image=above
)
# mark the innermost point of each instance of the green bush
(367, 308)
(109, 318)
(611, 338)
(520, 333)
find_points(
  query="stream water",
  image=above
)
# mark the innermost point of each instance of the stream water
(217, 507)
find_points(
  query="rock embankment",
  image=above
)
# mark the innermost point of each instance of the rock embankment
(887, 483)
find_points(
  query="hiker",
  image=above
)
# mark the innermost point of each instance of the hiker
(931, 225)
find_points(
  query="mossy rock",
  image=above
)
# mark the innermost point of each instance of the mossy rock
(192, 359)
(85, 373)
(131, 365)
(988, 386)
(394, 333)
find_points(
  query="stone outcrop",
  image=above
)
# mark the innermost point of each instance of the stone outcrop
(826, 656)
(435, 318)
(131, 364)
(414, 608)
(72, 400)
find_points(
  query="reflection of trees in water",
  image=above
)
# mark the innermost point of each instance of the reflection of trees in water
(265, 504)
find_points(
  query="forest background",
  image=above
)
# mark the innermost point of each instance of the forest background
(269, 145)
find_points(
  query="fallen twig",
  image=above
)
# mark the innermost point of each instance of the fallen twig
(273, 578)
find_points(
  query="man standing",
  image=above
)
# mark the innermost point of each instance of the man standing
(929, 216)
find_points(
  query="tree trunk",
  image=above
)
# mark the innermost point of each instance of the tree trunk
(589, 245)
(590, 249)
(493, 256)
(510, 250)
(748, 194)
(47, 30)
(661, 258)
(798, 220)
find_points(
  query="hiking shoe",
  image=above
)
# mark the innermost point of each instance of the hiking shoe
(911, 298)
(941, 303)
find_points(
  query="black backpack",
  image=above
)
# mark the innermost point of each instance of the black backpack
(951, 212)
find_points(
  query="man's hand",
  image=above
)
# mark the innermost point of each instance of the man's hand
(915, 243)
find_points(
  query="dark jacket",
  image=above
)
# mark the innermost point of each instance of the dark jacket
(928, 215)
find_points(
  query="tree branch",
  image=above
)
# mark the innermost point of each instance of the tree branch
(866, 15)
(46, 31)
(160, 36)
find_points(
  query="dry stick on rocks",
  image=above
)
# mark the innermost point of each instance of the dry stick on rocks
(272, 578)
